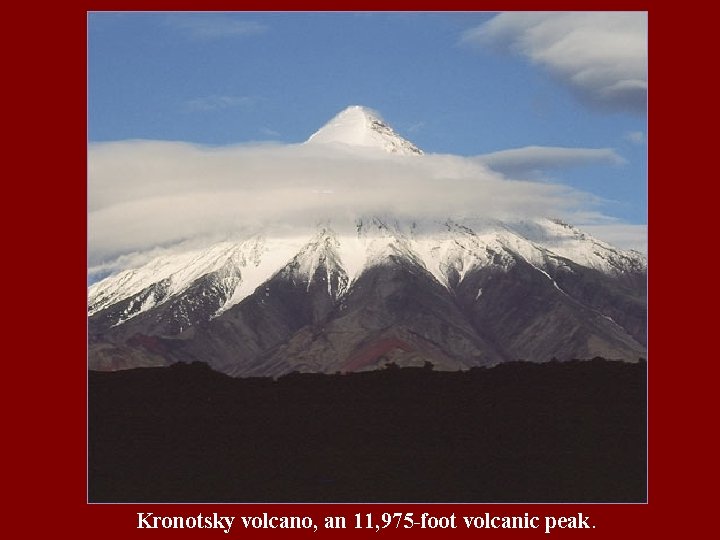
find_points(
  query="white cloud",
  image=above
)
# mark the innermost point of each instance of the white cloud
(204, 26)
(635, 137)
(602, 56)
(216, 103)
(529, 160)
(143, 194)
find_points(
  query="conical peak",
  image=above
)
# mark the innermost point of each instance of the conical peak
(363, 127)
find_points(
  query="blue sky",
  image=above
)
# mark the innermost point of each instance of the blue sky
(468, 84)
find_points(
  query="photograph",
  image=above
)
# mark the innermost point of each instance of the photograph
(367, 257)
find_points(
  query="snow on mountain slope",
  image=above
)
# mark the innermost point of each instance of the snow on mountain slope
(270, 257)
(320, 254)
(453, 249)
(362, 127)
(254, 258)
(564, 240)
(448, 250)
(176, 270)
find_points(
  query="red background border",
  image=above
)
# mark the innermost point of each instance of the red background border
(47, 57)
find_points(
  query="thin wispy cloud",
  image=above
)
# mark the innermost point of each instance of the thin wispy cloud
(622, 235)
(142, 194)
(269, 132)
(530, 161)
(415, 127)
(210, 26)
(217, 103)
(635, 137)
(601, 56)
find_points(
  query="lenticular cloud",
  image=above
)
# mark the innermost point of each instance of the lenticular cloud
(145, 195)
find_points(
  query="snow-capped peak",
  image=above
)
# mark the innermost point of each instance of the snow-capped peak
(363, 127)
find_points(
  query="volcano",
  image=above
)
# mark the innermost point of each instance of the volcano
(375, 289)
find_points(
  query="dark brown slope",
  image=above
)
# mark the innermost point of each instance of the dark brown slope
(394, 312)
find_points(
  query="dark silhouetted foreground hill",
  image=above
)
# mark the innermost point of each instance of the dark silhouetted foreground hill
(518, 432)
